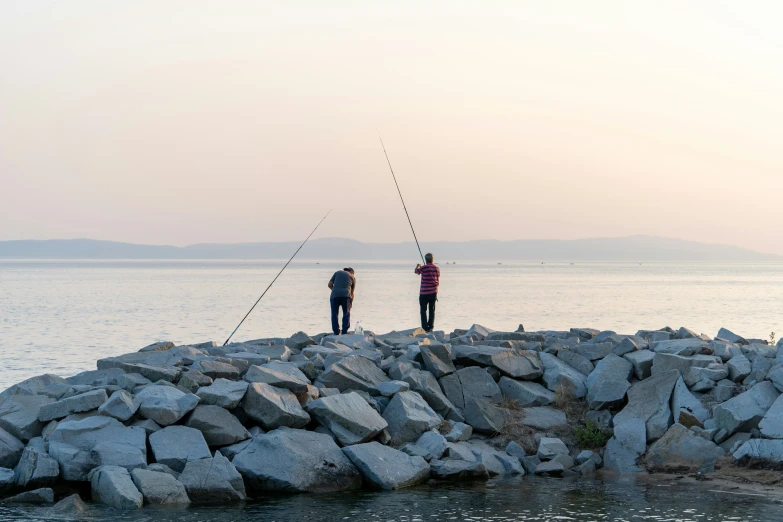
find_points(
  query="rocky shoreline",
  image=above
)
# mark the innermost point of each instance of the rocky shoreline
(216, 424)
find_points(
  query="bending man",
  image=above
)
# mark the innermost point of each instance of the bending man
(428, 295)
(343, 286)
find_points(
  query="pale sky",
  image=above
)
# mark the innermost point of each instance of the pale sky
(200, 121)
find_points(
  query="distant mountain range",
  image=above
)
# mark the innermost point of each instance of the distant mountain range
(631, 249)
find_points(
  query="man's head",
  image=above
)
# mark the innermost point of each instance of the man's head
(428, 258)
(349, 270)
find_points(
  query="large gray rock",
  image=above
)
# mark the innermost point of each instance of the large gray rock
(642, 362)
(36, 469)
(684, 347)
(113, 486)
(165, 404)
(468, 384)
(728, 335)
(19, 413)
(224, 393)
(408, 416)
(771, 426)
(352, 373)
(79, 446)
(433, 443)
(425, 384)
(579, 362)
(550, 447)
(219, 427)
(213, 480)
(649, 401)
(558, 374)
(763, 449)
(517, 365)
(745, 411)
(121, 405)
(484, 417)
(280, 375)
(273, 407)
(681, 450)
(348, 417)
(543, 418)
(526, 393)
(76, 404)
(608, 383)
(687, 409)
(437, 359)
(175, 446)
(290, 460)
(7, 481)
(593, 351)
(37, 496)
(387, 468)
(663, 362)
(739, 367)
(216, 369)
(626, 446)
(159, 488)
(458, 470)
(11, 449)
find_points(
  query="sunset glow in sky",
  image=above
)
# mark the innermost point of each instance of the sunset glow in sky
(191, 121)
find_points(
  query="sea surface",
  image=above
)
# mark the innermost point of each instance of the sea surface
(60, 316)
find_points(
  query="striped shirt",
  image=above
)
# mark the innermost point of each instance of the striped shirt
(430, 278)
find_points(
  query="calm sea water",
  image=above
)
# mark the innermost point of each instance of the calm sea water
(60, 316)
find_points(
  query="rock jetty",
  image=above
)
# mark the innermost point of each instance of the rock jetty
(215, 424)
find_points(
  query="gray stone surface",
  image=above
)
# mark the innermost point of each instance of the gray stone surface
(649, 401)
(352, 373)
(642, 362)
(550, 468)
(348, 417)
(459, 431)
(728, 335)
(683, 347)
(681, 450)
(458, 470)
(593, 351)
(771, 426)
(218, 425)
(11, 449)
(159, 488)
(37, 496)
(433, 443)
(408, 416)
(36, 469)
(686, 408)
(289, 460)
(113, 486)
(175, 446)
(526, 393)
(550, 447)
(579, 362)
(387, 468)
(216, 369)
(745, 411)
(437, 359)
(19, 414)
(626, 446)
(471, 383)
(121, 405)
(484, 417)
(280, 375)
(425, 384)
(559, 374)
(389, 388)
(543, 418)
(213, 480)
(664, 362)
(165, 404)
(7, 481)
(76, 404)
(739, 367)
(273, 407)
(763, 449)
(224, 393)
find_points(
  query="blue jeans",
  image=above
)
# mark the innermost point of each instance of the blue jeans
(344, 303)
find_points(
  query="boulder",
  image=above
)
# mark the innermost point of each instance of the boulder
(459, 431)
(484, 417)
(649, 401)
(728, 335)
(71, 505)
(683, 347)
(526, 393)
(579, 362)
(113, 486)
(771, 426)
(627, 345)
(159, 488)
(558, 374)
(468, 384)
(437, 359)
(745, 411)
(458, 470)
(663, 362)
(213, 480)
(761, 449)
(36, 469)
(79, 446)
(593, 351)
(543, 418)
(681, 450)
(387, 468)
(121, 405)
(216, 369)
(608, 383)
(348, 417)
(219, 427)
(165, 404)
(224, 393)
(687, 409)
(408, 416)
(739, 367)
(19, 413)
(626, 446)
(352, 373)
(550, 447)
(280, 375)
(434, 445)
(550, 468)
(175, 446)
(389, 388)
(274, 407)
(425, 384)
(7, 481)
(290, 460)
(642, 362)
(37, 496)
(11, 449)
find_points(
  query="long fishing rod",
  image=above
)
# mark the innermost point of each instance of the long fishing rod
(400, 193)
(275, 279)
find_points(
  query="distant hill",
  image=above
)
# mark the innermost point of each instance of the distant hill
(632, 249)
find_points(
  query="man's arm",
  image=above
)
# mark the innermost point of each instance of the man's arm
(417, 270)
(353, 286)
(331, 283)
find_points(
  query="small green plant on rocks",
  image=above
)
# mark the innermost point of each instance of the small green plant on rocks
(772, 338)
(591, 436)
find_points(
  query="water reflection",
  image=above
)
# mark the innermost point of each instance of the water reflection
(517, 500)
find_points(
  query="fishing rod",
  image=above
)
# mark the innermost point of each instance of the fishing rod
(275, 279)
(400, 193)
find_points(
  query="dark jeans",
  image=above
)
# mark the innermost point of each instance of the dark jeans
(344, 303)
(425, 302)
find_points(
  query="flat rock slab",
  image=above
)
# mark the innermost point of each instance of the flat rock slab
(745, 411)
(37, 496)
(121, 405)
(409, 416)
(349, 417)
(296, 461)
(279, 374)
(469, 384)
(484, 417)
(526, 393)
(165, 404)
(681, 450)
(352, 373)
(458, 470)
(543, 418)
(649, 401)
(224, 393)
(76, 404)
(558, 374)
(763, 449)
(213, 480)
(218, 425)
(437, 360)
(387, 468)
(175, 446)
(113, 486)
(274, 407)
(159, 488)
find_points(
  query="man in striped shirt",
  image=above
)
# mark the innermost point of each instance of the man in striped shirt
(428, 295)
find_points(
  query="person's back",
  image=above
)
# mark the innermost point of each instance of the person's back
(343, 283)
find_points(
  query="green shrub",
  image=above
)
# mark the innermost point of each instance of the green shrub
(591, 436)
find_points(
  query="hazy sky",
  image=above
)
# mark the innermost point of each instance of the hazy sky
(202, 121)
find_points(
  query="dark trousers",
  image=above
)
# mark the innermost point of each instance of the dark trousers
(344, 303)
(427, 302)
